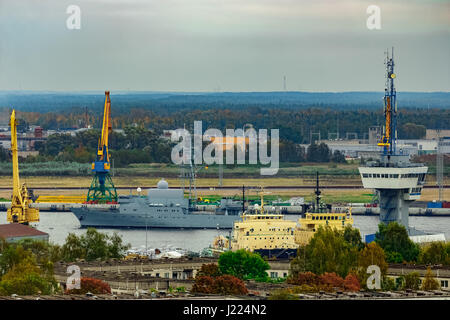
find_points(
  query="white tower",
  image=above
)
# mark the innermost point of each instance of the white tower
(398, 181)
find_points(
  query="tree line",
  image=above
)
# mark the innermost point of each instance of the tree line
(295, 125)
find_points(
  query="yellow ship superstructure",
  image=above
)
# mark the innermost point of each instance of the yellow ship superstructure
(309, 224)
(263, 231)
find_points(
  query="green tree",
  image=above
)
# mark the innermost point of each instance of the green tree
(338, 157)
(394, 238)
(93, 245)
(353, 237)
(318, 153)
(73, 248)
(327, 251)
(243, 264)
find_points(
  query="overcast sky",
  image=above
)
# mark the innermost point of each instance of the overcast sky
(223, 45)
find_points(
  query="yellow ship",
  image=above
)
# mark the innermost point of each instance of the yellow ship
(274, 236)
(269, 234)
(313, 220)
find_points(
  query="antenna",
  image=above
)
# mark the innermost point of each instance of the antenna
(317, 192)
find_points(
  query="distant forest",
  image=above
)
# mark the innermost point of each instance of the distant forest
(295, 114)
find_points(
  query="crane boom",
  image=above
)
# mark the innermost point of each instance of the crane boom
(102, 153)
(21, 210)
(102, 188)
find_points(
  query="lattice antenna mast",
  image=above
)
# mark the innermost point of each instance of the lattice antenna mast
(389, 139)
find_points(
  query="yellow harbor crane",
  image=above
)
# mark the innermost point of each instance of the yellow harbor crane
(21, 210)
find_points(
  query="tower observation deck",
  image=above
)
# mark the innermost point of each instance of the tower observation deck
(397, 180)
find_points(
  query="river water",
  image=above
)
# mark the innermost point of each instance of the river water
(59, 224)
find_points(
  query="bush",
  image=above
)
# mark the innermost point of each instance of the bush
(388, 284)
(302, 278)
(225, 284)
(203, 284)
(331, 280)
(91, 285)
(351, 283)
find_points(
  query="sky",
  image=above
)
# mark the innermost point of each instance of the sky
(223, 45)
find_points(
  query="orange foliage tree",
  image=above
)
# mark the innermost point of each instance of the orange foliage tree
(91, 285)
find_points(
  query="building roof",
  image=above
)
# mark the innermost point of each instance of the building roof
(19, 230)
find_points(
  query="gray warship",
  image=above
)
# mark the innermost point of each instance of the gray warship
(161, 208)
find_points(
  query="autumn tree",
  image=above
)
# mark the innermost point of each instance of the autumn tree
(430, 282)
(372, 254)
(436, 252)
(91, 285)
(209, 269)
(330, 280)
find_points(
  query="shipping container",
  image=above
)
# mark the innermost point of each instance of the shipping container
(434, 205)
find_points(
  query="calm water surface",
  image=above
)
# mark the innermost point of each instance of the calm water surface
(59, 224)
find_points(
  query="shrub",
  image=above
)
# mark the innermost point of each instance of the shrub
(91, 285)
(351, 283)
(203, 284)
(307, 278)
(227, 284)
(331, 280)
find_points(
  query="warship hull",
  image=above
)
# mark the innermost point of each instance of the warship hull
(149, 217)
(162, 208)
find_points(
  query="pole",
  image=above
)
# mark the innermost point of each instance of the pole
(243, 199)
